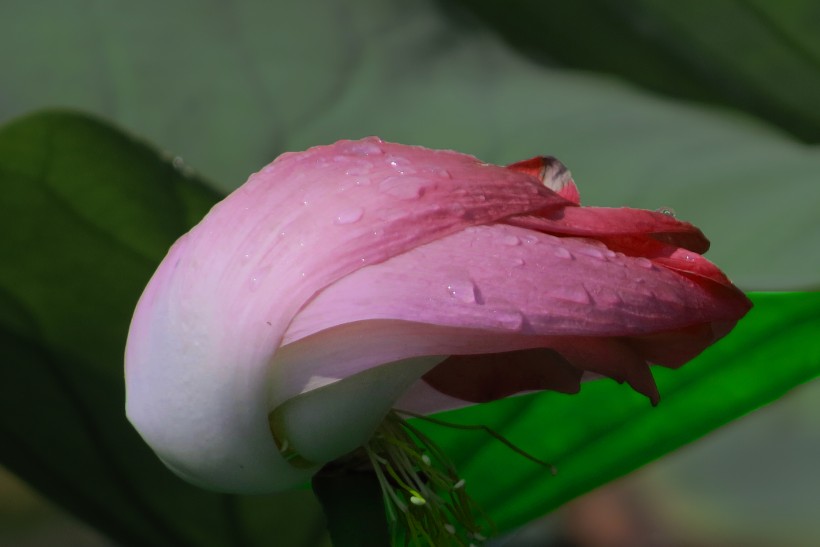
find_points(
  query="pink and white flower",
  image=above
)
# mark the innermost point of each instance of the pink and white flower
(348, 279)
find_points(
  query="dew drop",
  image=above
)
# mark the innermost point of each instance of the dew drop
(397, 161)
(644, 262)
(359, 168)
(464, 291)
(349, 216)
(511, 320)
(530, 240)
(365, 147)
(605, 295)
(393, 214)
(457, 209)
(576, 293)
(401, 165)
(517, 262)
(404, 187)
(668, 211)
(253, 283)
(562, 252)
(669, 295)
(511, 240)
(593, 252)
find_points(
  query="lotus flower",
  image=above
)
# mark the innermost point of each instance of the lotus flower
(349, 279)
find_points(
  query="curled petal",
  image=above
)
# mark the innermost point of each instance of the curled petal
(204, 334)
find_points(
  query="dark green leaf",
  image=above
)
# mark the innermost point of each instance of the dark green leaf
(87, 214)
(607, 430)
(763, 57)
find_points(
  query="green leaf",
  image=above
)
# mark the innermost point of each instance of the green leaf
(228, 86)
(758, 56)
(607, 430)
(87, 214)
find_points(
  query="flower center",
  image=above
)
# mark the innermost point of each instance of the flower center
(425, 500)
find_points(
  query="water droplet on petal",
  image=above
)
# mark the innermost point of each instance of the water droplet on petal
(457, 209)
(517, 262)
(668, 211)
(644, 262)
(511, 240)
(576, 293)
(511, 320)
(359, 168)
(562, 252)
(393, 214)
(593, 252)
(365, 147)
(404, 187)
(349, 216)
(463, 291)
(669, 295)
(605, 295)
(401, 165)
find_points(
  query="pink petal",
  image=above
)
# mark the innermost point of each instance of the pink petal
(215, 313)
(530, 290)
(509, 279)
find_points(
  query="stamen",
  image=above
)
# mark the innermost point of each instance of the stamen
(425, 499)
(494, 434)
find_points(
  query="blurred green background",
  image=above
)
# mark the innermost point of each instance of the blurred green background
(709, 107)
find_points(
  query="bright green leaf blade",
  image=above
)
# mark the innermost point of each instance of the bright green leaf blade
(608, 430)
(87, 214)
(762, 57)
(229, 86)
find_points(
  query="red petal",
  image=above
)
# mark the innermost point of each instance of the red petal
(632, 225)
(492, 376)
